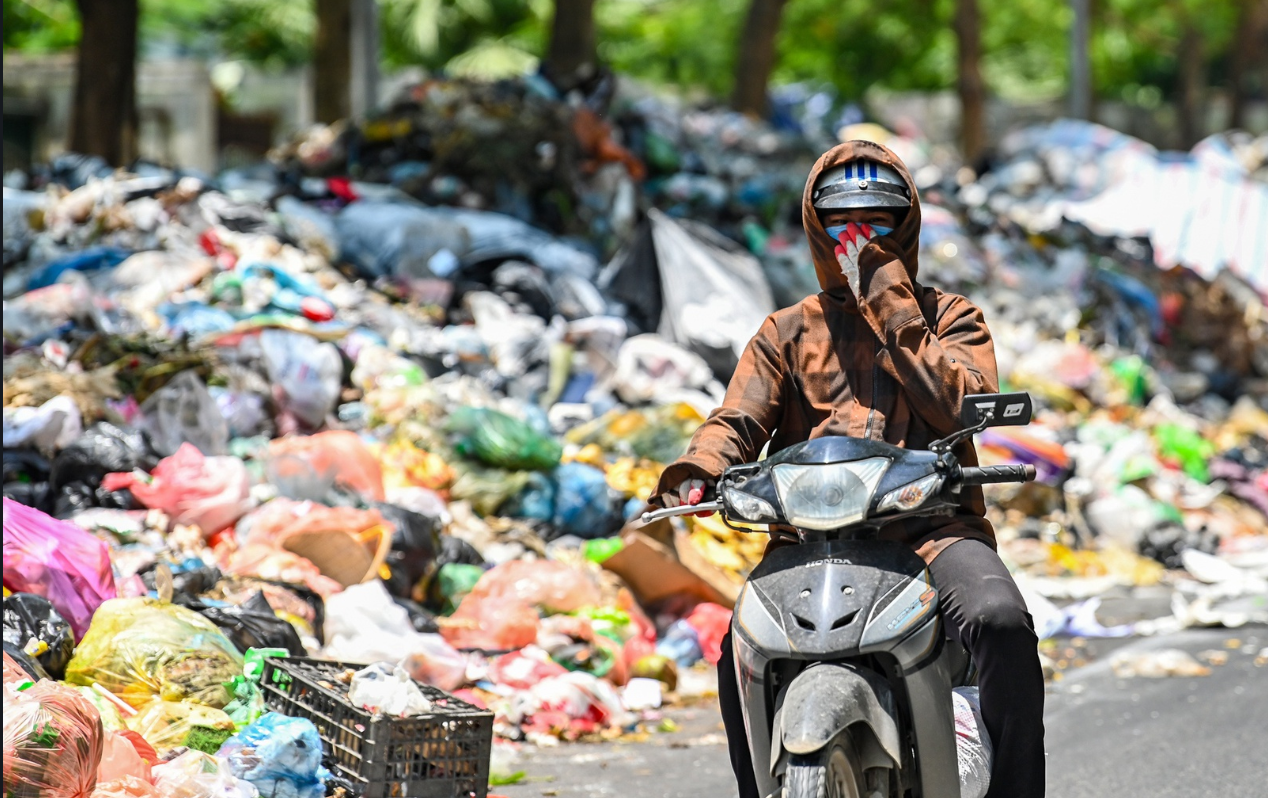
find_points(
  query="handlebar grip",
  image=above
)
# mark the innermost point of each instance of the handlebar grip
(986, 475)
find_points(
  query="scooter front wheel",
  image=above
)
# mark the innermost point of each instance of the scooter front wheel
(831, 772)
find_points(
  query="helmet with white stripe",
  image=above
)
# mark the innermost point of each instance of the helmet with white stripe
(860, 184)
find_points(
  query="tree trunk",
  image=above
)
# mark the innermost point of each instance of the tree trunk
(968, 35)
(756, 57)
(1250, 54)
(332, 61)
(572, 49)
(1192, 100)
(103, 117)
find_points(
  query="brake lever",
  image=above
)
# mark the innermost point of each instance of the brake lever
(682, 509)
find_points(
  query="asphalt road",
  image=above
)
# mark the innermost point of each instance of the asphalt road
(1175, 737)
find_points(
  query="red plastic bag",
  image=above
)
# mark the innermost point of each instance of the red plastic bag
(547, 584)
(310, 466)
(711, 622)
(208, 492)
(58, 561)
(52, 743)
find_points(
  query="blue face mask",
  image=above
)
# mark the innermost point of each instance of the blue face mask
(835, 231)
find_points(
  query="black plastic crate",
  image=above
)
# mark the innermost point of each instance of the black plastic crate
(444, 754)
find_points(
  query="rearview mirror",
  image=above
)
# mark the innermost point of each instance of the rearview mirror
(1006, 409)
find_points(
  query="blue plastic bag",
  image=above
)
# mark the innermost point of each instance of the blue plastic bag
(281, 756)
(582, 504)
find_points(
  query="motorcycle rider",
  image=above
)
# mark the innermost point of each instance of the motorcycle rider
(878, 355)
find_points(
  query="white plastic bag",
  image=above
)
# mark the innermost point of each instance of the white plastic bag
(972, 743)
(309, 373)
(383, 687)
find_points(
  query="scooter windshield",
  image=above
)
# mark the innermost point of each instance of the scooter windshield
(822, 497)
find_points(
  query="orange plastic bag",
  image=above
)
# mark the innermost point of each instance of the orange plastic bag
(126, 787)
(548, 584)
(311, 466)
(52, 743)
(490, 624)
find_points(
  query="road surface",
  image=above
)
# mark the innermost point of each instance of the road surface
(1177, 737)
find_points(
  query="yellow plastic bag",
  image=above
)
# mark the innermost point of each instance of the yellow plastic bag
(141, 648)
(173, 724)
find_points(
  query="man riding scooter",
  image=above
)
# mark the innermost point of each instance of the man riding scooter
(876, 355)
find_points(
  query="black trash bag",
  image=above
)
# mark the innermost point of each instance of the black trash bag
(29, 617)
(312, 599)
(415, 549)
(75, 475)
(252, 624)
(1167, 540)
(32, 494)
(187, 584)
(27, 663)
(423, 619)
(457, 550)
(25, 465)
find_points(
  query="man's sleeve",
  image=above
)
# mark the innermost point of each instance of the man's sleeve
(736, 432)
(936, 368)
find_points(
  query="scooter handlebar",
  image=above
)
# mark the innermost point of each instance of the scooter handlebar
(682, 509)
(986, 475)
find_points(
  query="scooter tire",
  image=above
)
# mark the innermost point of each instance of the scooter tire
(831, 772)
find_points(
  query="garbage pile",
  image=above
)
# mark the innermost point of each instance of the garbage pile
(379, 419)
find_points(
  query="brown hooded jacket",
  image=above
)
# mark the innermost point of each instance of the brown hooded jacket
(892, 365)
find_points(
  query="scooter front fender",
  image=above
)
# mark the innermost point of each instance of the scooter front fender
(825, 700)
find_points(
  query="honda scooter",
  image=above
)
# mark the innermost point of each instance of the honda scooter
(844, 669)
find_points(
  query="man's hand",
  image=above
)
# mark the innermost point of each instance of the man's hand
(852, 241)
(689, 491)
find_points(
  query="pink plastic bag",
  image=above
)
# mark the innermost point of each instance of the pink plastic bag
(711, 622)
(310, 466)
(490, 624)
(52, 743)
(58, 561)
(520, 670)
(547, 584)
(119, 758)
(279, 565)
(208, 492)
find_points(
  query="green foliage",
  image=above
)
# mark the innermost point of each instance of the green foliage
(40, 26)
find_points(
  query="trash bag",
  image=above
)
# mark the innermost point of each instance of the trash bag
(490, 625)
(308, 373)
(126, 787)
(25, 664)
(175, 724)
(311, 466)
(458, 551)
(500, 440)
(711, 622)
(210, 493)
(52, 743)
(76, 472)
(583, 506)
(487, 489)
(551, 585)
(535, 501)
(187, 582)
(422, 619)
(415, 546)
(48, 428)
(32, 625)
(182, 411)
(253, 624)
(454, 582)
(120, 759)
(58, 561)
(194, 774)
(972, 743)
(280, 756)
(140, 648)
(433, 661)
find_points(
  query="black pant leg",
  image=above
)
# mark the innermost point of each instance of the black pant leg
(986, 612)
(733, 721)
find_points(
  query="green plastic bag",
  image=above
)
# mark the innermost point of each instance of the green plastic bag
(1187, 447)
(141, 649)
(487, 489)
(247, 705)
(600, 549)
(457, 580)
(500, 440)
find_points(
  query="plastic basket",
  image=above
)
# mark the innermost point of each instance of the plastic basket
(444, 754)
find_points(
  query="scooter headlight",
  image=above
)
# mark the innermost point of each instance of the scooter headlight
(911, 495)
(747, 506)
(828, 496)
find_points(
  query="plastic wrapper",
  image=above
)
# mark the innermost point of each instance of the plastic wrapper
(310, 467)
(433, 661)
(126, 787)
(182, 411)
(280, 756)
(49, 427)
(58, 561)
(52, 743)
(387, 689)
(972, 744)
(121, 759)
(500, 440)
(172, 724)
(194, 774)
(141, 648)
(309, 374)
(34, 626)
(210, 493)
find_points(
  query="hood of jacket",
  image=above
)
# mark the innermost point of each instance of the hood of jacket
(906, 237)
